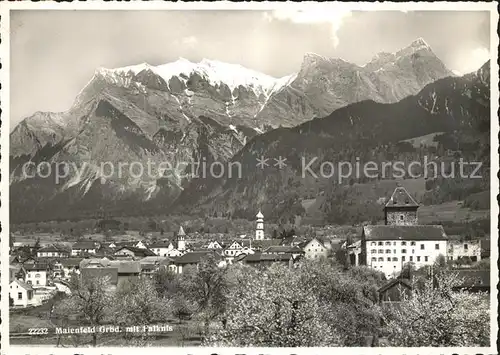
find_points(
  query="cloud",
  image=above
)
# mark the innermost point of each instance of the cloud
(318, 15)
(474, 60)
(189, 41)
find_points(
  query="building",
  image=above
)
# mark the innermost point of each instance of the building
(214, 245)
(161, 248)
(401, 240)
(133, 252)
(264, 259)
(22, 294)
(36, 274)
(459, 249)
(474, 280)
(181, 239)
(192, 259)
(259, 228)
(394, 290)
(295, 251)
(84, 247)
(314, 249)
(70, 266)
(52, 251)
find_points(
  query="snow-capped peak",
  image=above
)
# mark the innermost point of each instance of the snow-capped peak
(216, 72)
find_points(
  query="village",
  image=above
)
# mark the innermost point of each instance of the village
(387, 248)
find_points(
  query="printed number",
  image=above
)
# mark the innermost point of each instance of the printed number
(38, 331)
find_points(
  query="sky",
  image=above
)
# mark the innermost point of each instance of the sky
(55, 53)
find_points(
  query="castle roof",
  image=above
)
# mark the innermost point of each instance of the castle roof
(396, 232)
(181, 231)
(260, 215)
(401, 198)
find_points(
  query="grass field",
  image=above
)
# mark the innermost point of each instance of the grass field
(449, 212)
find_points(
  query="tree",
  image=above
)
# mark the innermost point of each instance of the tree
(206, 287)
(438, 316)
(272, 308)
(91, 299)
(139, 304)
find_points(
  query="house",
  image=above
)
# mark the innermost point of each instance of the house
(214, 245)
(70, 266)
(161, 248)
(280, 249)
(192, 259)
(84, 247)
(151, 264)
(263, 259)
(22, 294)
(15, 272)
(141, 245)
(36, 274)
(133, 252)
(401, 240)
(52, 251)
(395, 290)
(474, 280)
(458, 249)
(108, 273)
(314, 249)
(127, 271)
(485, 248)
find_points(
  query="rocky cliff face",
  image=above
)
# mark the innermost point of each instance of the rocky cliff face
(455, 109)
(168, 118)
(323, 84)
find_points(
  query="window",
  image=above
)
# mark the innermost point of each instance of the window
(387, 243)
(413, 243)
(380, 243)
(403, 258)
(380, 259)
(426, 258)
(381, 251)
(29, 275)
(388, 251)
(388, 259)
(418, 258)
(437, 246)
(373, 243)
(37, 276)
(394, 259)
(401, 217)
(37, 282)
(403, 243)
(394, 243)
(394, 251)
(374, 259)
(413, 251)
(403, 251)
(422, 246)
(19, 295)
(466, 247)
(374, 251)
(411, 258)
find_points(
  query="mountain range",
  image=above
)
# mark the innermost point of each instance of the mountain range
(212, 111)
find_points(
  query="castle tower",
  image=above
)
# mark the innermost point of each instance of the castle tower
(259, 229)
(181, 242)
(401, 209)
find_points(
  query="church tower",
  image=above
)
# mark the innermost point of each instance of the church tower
(181, 242)
(401, 209)
(259, 230)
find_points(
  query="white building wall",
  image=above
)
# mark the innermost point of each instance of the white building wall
(459, 249)
(389, 256)
(36, 278)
